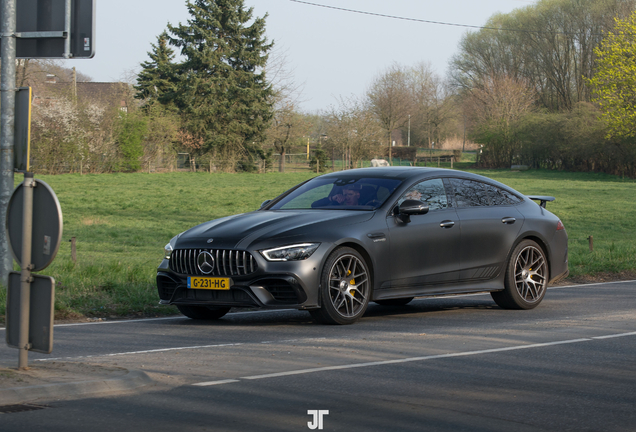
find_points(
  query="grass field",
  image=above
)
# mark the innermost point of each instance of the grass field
(122, 221)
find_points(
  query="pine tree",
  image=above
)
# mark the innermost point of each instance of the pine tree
(222, 91)
(156, 81)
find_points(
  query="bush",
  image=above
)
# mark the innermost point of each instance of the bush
(132, 129)
(319, 157)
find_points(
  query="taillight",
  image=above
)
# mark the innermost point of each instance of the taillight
(560, 226)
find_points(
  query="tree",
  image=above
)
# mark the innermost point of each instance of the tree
(432, 107)
(614, 83)
(318, 161)
(132, 128)
(549, 45)
(287, 127)
(354, 131)
(222, 91)
(498, 108)
(389, 99)
(156, 81)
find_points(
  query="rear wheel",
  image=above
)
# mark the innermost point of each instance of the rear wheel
(395, 302)
(203, 312)
(345, 288)
(526, 278)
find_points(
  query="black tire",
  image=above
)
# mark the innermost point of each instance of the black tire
(203, 312)
(345, 288)
(526, 279)
(395, 302)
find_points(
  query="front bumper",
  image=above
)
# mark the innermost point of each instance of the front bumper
(274, 285)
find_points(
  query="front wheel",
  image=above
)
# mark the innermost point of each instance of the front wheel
(203, 312)
(345, 288)
(526, 278)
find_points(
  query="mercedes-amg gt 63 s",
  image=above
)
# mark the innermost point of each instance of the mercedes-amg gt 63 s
(386, 235)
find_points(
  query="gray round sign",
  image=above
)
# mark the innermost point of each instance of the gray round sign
(47, 225)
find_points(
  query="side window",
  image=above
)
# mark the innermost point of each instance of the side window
(497, 196)
(430, 191)
(514, 199)
(469, 193)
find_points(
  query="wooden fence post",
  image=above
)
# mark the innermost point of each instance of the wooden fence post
(73, 250)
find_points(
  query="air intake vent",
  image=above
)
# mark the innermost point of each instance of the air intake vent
(221, 262)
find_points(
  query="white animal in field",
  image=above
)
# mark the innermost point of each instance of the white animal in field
(379, 163)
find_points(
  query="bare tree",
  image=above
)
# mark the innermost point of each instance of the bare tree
(354, 130)
(497, 108)
(390, 99)
(432, 103)
(288, 125)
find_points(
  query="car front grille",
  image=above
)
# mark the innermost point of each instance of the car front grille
(226, 262)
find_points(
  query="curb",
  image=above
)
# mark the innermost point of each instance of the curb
(130, 381)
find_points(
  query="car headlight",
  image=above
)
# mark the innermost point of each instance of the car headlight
(167, 250)
(290, 253)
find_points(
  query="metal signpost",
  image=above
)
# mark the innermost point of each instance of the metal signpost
(34, 229)
(55, 29)
(34, 29)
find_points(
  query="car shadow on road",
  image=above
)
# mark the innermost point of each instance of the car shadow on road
(302, 318)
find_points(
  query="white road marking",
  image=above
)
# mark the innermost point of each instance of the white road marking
(211, 383)
(590, 284)
(174, 349)
(614, 336)
(416, 359)
(139, 352)
(124, 321)
(282, 310)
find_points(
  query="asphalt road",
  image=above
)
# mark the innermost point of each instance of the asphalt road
(440, 364)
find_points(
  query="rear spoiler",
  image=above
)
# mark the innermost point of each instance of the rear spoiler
(542, 199)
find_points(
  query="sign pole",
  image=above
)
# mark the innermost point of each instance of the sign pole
(26, 279)
(7, 99)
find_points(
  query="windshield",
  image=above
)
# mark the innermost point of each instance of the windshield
(346, 193)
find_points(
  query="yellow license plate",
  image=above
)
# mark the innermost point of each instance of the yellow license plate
(208, 283)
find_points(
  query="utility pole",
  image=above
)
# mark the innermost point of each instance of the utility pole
(409, 135)
(7, 121)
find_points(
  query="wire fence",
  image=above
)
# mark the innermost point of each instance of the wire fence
(298, 162)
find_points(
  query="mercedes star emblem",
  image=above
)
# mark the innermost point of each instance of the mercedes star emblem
(205, 262)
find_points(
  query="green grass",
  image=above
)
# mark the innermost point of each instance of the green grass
(597, 205)
(122, 221)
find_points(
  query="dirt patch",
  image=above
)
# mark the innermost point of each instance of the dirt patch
(600, 277)
(55, 372)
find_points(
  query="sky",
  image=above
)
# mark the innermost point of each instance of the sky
(329, 53)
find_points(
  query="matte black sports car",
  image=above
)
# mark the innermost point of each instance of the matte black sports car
(336, 242)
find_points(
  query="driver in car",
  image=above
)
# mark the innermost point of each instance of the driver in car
(349, 196)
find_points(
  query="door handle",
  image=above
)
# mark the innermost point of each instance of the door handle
(447, 224)
(508, 220)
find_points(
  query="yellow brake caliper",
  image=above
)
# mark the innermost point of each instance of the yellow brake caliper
(351, 282)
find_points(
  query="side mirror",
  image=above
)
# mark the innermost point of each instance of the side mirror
(410, 208)
(264, 203)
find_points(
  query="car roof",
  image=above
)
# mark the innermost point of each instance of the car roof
(405, 173)
(393, 172)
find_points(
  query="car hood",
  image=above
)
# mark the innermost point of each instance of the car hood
(240, 231)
